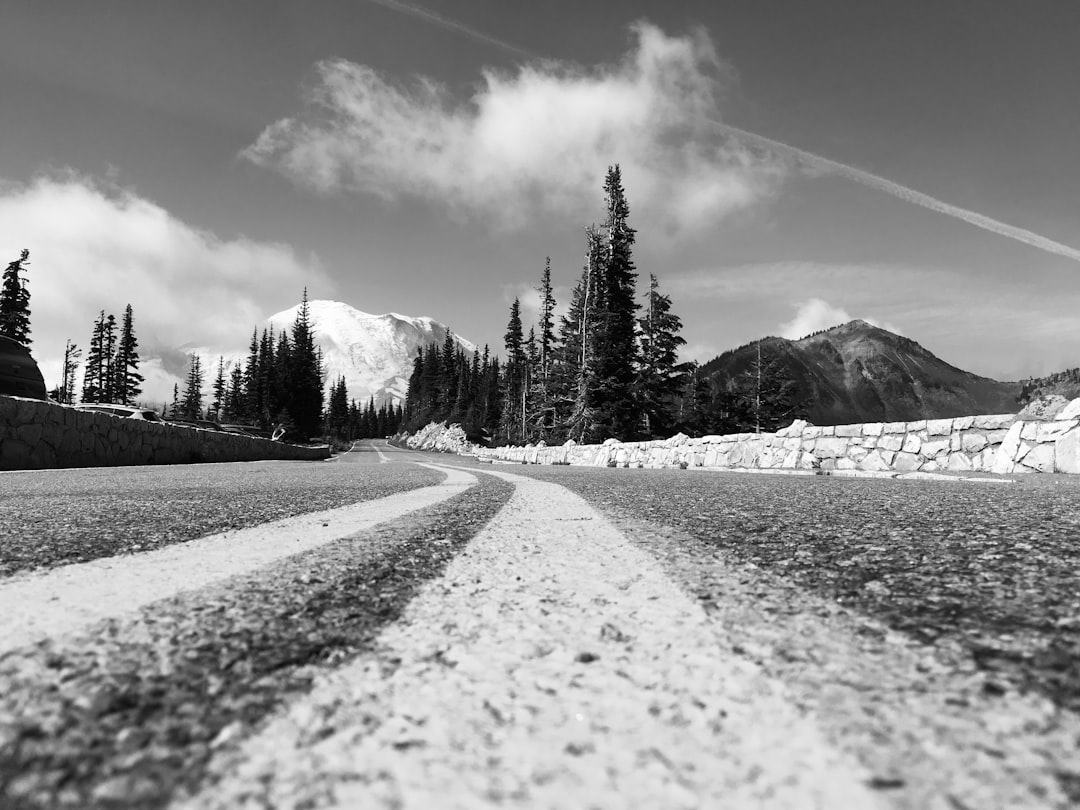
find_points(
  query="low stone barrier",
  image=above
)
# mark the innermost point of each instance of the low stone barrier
(44, 435)
(998, 443)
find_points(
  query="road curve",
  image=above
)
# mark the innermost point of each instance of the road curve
(496, 639)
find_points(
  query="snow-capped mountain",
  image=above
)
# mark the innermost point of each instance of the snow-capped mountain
(375, 353)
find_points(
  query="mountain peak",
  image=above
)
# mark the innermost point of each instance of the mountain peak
(859, 372)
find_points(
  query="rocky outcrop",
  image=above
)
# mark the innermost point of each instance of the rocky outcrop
(44, 435)
(990, 444)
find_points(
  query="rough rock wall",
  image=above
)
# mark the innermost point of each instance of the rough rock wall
(43, 435)
(1000, 443)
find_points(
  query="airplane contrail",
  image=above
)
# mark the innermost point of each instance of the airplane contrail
(860, 176)
(904, 193)
(430, 16)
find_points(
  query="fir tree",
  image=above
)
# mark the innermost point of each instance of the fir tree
(252, 391)
(233, 408)
(512, 426)
(660, 377)
(547, 320)
(93, 377)
(175, 409)
(614, 342)
(448, 376)
(337, 412)
(766, 394)
(219, 388)
(72, 353)
(15, 301)
(108, 358)
(127, 381)
(303, 390)
(191, 405)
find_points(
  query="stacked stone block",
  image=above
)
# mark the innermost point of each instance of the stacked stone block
(996, 443)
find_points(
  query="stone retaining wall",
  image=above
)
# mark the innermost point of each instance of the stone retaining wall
(1000, 443)
(43, 435)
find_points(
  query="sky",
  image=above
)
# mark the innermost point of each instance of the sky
(789, 165)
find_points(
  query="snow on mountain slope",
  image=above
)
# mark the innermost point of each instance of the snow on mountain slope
(375, 353)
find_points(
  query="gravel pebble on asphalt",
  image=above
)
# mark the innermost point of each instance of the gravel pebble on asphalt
(553, 666)
(994, 570)
(109, 511)
(128, 712)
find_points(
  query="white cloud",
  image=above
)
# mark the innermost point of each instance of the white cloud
(94, 248)
(536, 140)
(814, 314)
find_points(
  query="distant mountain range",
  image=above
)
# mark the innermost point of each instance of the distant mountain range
(857, 372)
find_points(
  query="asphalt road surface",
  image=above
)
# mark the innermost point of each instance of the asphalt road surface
(407, 630)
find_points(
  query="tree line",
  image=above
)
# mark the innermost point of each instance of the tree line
(608, 368)
(280, 383)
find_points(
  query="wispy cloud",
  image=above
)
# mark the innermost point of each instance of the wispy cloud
(94, 247)
(538, 139)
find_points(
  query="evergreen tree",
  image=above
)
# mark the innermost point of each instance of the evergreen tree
(660, 376)
(337, 412)
(611, 397)
(448, 376)
(191, 405)
(266, 387)
(303, 391)
(512, 425)
(547, 320)
(175, 409)
(127, 381)
(108, 355)
(252, 390)
(93, 377)
(583, 347)
(233, 408)
(219, 388)
(766, 394)
(413, 402)
(15, 301)
(72, 353)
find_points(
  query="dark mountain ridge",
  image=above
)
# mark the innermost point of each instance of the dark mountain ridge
(857, 372)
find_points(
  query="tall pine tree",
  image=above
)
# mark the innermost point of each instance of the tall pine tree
(15, 301)
(68, 370)
(191, 405)
(127, 381)
(615, 412)
(660, 376)
(303, 393)
(93, 389)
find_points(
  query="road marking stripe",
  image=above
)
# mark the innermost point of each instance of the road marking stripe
(554, 665)
(65, 599)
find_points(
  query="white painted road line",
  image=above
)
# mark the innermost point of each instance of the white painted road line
(65, 599)
(553, 666)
